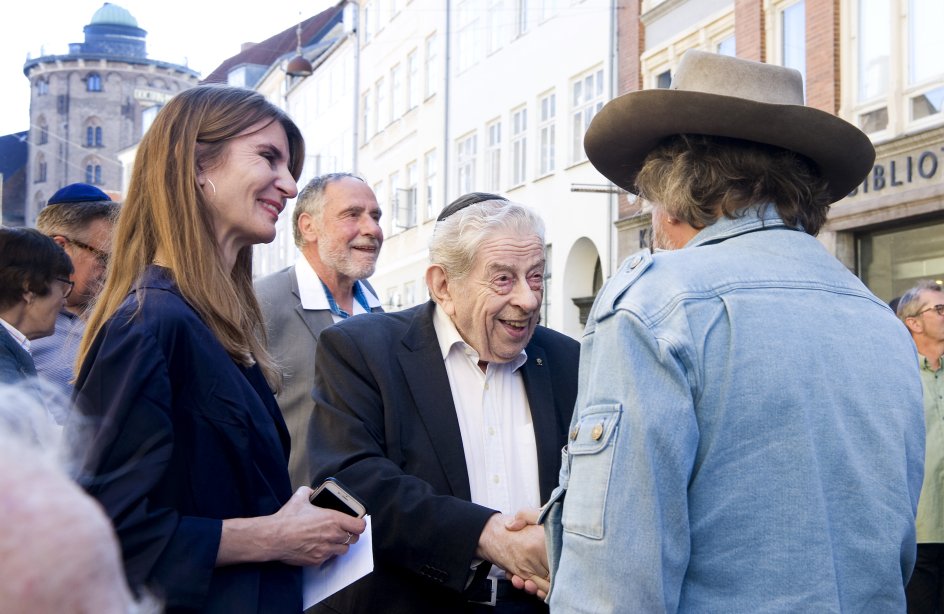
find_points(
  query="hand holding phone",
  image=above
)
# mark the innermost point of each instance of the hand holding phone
(333, 495)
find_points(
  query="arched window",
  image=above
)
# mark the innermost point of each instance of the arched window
(43, 128)
(93, 82)
(93, 136)
(40, 169)
(98, 174)
(89, 173)
(42, 87)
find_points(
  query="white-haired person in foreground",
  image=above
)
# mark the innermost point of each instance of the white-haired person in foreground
(58, 551)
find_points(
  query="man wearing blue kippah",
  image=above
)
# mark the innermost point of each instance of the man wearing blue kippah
(80, 218)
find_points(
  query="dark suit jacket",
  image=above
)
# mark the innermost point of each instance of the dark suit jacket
(183, 438)
(292, 333)
(386, 426)
(16, 364)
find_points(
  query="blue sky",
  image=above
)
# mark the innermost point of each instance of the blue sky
(199, 33)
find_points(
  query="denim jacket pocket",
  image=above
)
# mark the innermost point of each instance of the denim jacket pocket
(590, 449)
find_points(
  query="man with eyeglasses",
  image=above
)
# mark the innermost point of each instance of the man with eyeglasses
(80, 218)
(922, 310)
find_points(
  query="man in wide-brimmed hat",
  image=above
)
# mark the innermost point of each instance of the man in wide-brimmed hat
(748, 433)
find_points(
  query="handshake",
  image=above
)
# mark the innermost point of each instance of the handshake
(516, 544)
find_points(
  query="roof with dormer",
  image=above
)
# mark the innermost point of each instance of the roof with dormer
(274, 47)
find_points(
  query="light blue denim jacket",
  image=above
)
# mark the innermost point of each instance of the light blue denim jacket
(748, 436)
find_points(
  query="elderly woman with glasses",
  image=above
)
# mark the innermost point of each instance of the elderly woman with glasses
(34, 283)
(189, 452)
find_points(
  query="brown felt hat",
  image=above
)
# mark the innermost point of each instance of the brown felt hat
(719, 95)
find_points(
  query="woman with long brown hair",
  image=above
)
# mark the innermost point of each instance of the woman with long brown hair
(188, 449)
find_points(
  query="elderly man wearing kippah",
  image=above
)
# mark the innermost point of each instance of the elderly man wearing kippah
(748, 434)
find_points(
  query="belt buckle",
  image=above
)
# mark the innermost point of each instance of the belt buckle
(493, 598)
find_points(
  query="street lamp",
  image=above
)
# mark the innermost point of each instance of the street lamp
(299, 66)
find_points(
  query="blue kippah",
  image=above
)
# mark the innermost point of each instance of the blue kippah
(77, 193)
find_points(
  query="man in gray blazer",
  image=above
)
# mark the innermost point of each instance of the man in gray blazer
(336, 224)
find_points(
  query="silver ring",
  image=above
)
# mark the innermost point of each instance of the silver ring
(348, 540)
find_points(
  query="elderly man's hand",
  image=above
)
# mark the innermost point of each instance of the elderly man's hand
(535, 585)
(516, 544)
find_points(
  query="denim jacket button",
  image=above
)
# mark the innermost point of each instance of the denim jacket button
(573, 433)
(597, 432)
(635, 262)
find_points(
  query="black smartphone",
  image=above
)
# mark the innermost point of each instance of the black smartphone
(333, 495)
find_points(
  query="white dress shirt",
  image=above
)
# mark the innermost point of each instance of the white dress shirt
(312, 294)
(495, 423)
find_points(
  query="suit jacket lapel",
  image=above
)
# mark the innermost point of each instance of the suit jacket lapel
(537, 384)
(426, 376)
(316, 320)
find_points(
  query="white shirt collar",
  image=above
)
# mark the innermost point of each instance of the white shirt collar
(312, 294)
(448, 336)
(16, 334)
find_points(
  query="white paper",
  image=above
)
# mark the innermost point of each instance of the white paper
(320, 582)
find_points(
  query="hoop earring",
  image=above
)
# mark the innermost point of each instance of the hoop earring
(212, 185)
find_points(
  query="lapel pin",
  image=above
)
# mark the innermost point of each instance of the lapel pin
(540, 362)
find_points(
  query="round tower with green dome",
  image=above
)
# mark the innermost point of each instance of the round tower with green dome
(92, 103)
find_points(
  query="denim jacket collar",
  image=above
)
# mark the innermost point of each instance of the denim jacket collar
(755, 217)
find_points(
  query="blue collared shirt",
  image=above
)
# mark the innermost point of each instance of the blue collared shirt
(748, 436)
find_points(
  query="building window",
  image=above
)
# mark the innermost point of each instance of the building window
(925, 57)
(469, 34)
(519, 146)
(383, 109)
(409, 294)
(413, 75)
(890, 261)
(396, 92)
(432, 67)
(521, 17)
(586, 101)
(404, 206)
(727, 46)
(40, 169)
(93, 82)
(546, 129)
(497, 29)
(93, 136)
(465, 163)
(900, 64)
(493, 156)
(365, 118)
(793, 38)
(367, 14)
(42, 87)
(147, 117)
(43, 136)
(429, 164)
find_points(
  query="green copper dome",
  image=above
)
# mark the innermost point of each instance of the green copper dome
(113, 14)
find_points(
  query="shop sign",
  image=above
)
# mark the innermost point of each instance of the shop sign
(906, 170)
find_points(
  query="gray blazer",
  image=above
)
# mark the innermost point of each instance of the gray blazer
(293, 335)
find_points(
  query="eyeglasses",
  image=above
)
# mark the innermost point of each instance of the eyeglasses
(99, 254)
(70, 285)
(937, 308)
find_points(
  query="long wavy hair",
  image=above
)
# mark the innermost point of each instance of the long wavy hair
(696, 178)
(165, 211)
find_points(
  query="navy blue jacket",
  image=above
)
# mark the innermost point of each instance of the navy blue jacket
(16, 364)
(183, 438)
